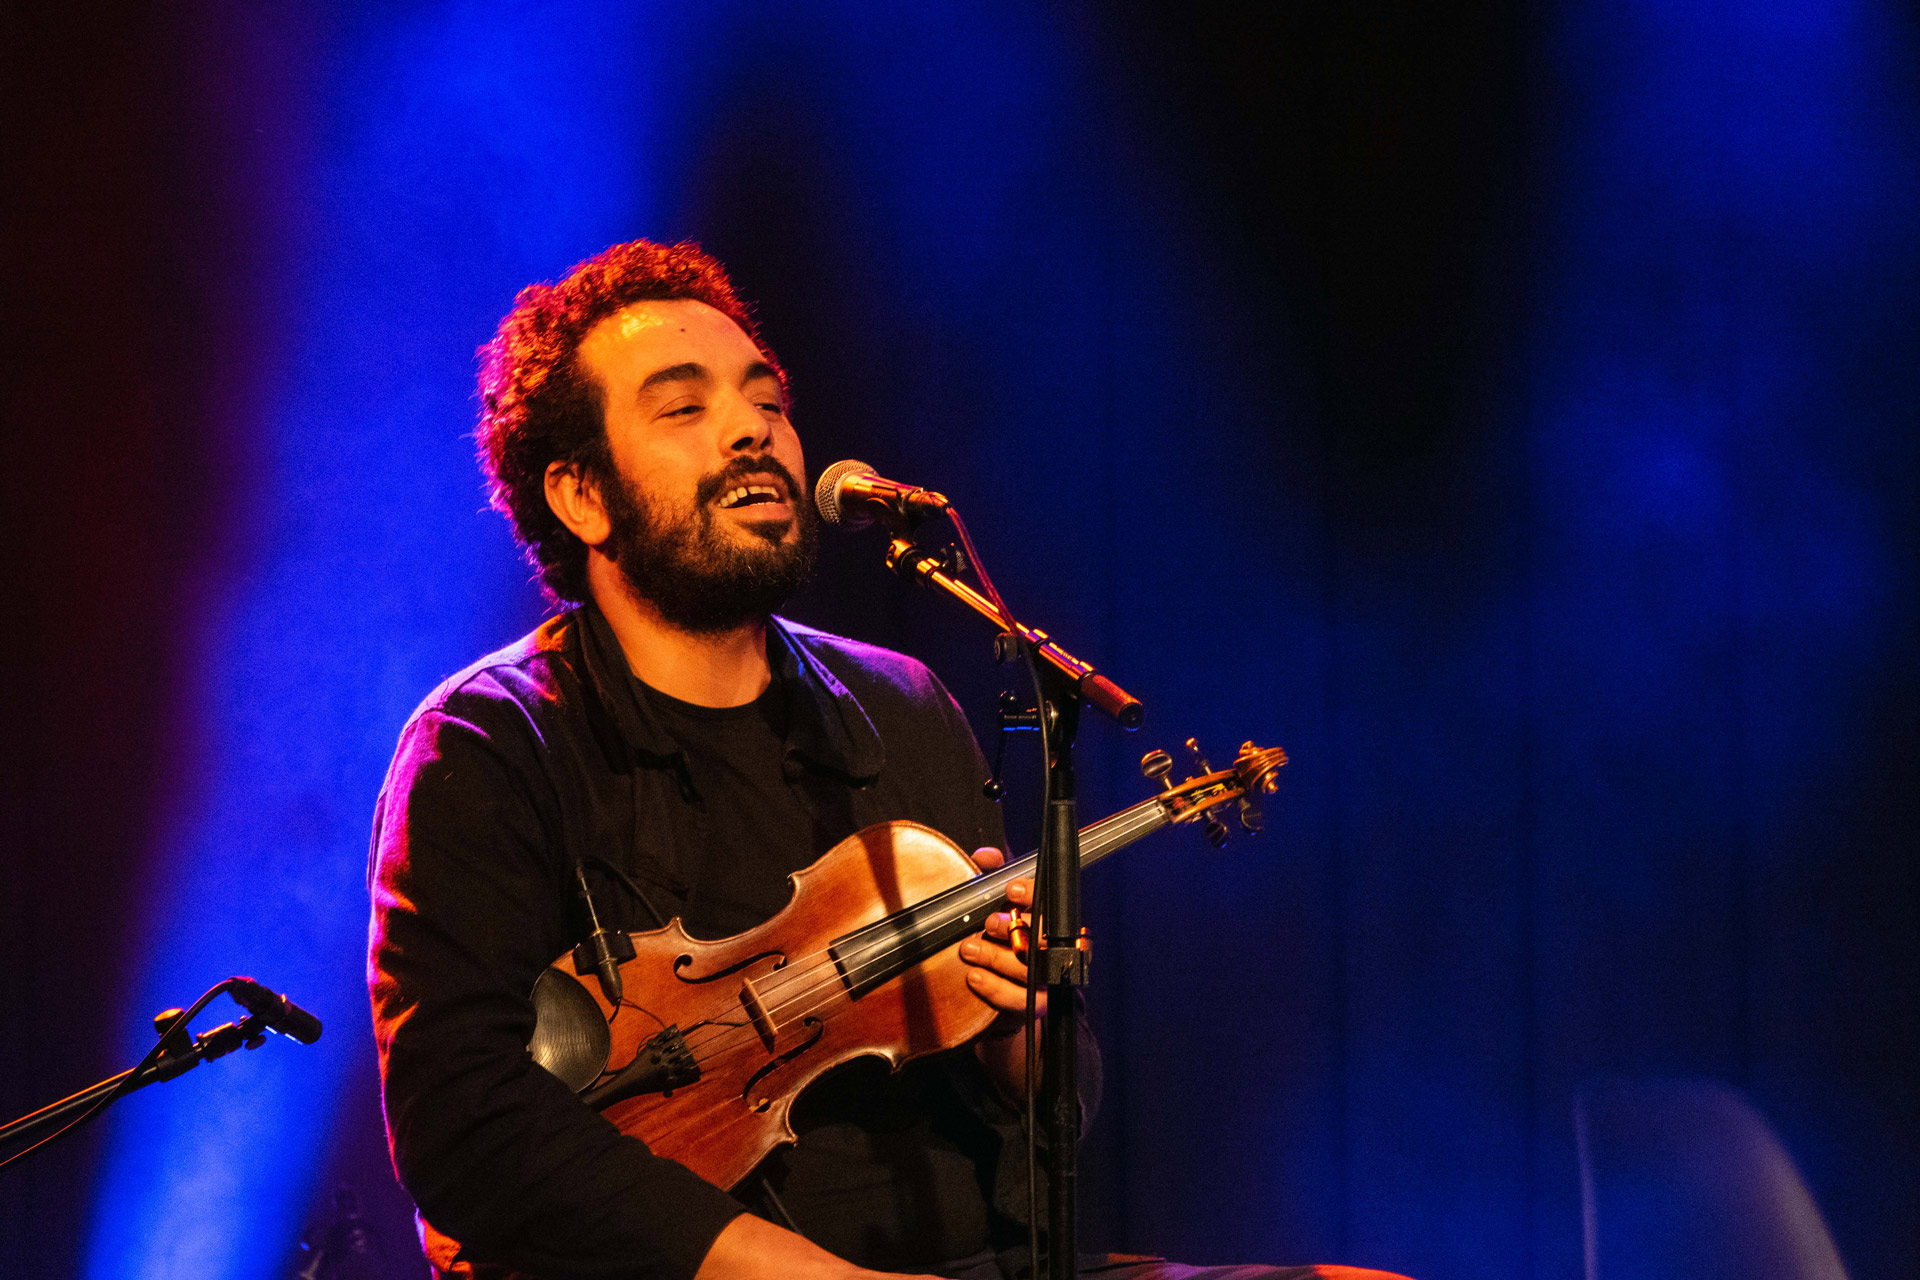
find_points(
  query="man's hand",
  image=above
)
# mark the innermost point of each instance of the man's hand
(999, 977)
(752, 1249)
(999, 954)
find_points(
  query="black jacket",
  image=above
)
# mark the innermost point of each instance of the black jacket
(505, 776)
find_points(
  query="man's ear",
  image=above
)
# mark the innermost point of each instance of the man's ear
(574, 499)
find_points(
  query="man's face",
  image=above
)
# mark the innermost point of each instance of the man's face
(708, 509)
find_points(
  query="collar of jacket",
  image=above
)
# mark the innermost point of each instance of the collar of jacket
(829, 728)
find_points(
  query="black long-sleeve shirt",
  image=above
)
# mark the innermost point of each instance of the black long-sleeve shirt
(550, 752)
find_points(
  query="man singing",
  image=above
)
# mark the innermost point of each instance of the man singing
(689, 749)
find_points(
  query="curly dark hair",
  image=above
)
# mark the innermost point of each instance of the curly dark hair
(539, 406)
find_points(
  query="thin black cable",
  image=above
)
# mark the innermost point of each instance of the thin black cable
(1030, 661)
(773, 1198)
(113, 1095)
(979, 567)
(627, 883)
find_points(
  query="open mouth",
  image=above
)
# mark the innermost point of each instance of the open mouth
(751, 495)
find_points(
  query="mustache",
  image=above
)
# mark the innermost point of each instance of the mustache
(741, 470)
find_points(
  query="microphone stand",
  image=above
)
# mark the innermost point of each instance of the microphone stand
(177, 1054)
(1064, 682)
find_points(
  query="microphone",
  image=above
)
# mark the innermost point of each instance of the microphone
(278, 1012)
(850, 495)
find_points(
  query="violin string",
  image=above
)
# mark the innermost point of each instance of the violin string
(1130, 824)
(1120, 829)
(818, 971)
(1125, 826)
(1116, 832)
(861, 963)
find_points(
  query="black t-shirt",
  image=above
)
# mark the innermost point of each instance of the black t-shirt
(758, 826)
(887, 1168)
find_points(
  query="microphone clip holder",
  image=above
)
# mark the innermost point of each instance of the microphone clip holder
(902, 520)
(1014, 718)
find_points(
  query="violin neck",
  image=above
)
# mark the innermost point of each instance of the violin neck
(879, 951)
(1097, 840)
(1109, 835)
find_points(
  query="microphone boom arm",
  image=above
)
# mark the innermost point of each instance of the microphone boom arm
(913, 562)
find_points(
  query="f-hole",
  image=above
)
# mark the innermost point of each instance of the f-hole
(817, 1028)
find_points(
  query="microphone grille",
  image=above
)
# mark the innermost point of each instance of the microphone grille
(826, 494)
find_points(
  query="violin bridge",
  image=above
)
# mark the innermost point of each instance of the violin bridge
(757, 1012)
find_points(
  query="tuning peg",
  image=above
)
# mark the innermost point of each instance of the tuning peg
(1216, 830)
(1251, 819)
(1157, 765)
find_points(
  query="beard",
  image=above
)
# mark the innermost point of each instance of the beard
(701, 578)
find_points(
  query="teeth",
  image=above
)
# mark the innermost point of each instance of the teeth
(735, 496)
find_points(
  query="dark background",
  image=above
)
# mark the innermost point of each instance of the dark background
(1509, 410)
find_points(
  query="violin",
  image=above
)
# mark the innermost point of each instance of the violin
(712, 1041)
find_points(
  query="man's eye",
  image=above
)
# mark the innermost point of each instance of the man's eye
(773, 406)
(685, 410)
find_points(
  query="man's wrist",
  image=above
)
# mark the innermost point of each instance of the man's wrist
(1004, 1059)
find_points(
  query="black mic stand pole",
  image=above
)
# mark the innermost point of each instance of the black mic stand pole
(1064, 682)
(1057, 887)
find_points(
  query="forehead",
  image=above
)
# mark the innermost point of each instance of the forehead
(644, 337)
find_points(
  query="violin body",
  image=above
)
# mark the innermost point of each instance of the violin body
(769, 1027)
(713, 1041)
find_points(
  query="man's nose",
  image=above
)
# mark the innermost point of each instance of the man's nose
(743, 429)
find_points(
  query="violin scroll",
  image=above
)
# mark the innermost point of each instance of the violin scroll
(1255, 773)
